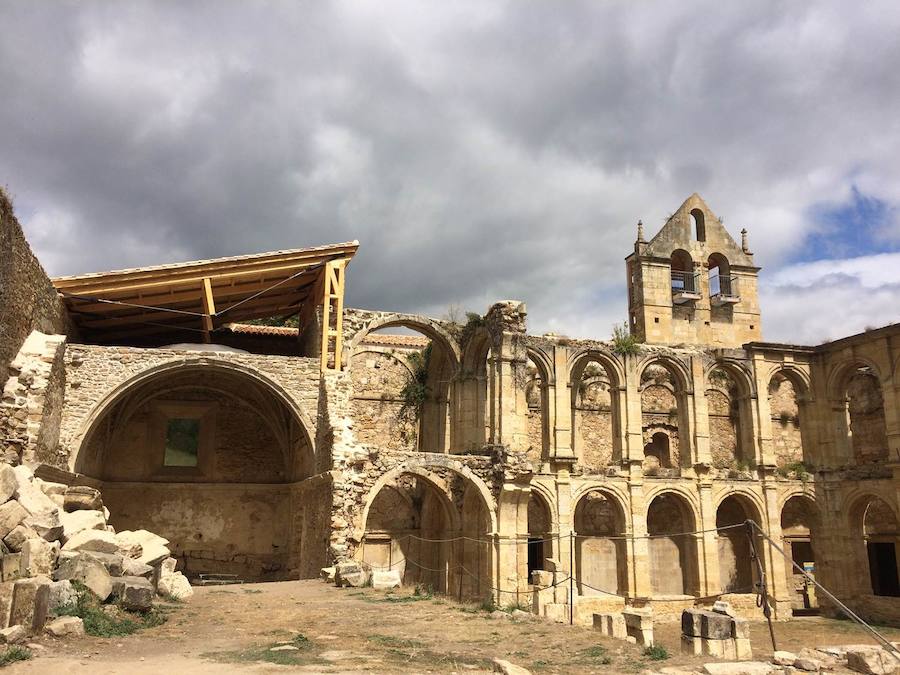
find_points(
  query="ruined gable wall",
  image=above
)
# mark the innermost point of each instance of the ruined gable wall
(28, 300)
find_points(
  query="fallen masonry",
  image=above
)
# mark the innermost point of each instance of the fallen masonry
(55, 537)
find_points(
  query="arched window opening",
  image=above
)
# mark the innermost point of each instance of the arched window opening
(737, 573)
(787, 436)
(661, 413)
(723, 405)
(722, 283)
(594, 429)
(539, 529)
(865, 423)
(401, 381)
(475, 393)
(673, 547)
(600, 554)
(685, 284)
(799, 522)
(536, 396)
(656, 454)
(698, 225)
(879, 536)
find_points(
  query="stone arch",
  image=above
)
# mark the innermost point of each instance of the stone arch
(425, 467)
(539, 371)
(729, 393)
(596, 409)
(600, 544)
(875, 533)
(246, 439)
(737, 573)
(856, 393)
(184, 364)
(671, 527)
(425, 325)
(450, 547)
(664, 393)
(788, 395)
(476, 392)
(799, 532)
(540, 530)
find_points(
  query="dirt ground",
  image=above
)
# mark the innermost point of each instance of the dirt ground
(231, 629)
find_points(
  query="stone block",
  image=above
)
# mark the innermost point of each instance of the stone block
(8, 482)
(148, 548)
(92, 540)
(691, 622)
(6, 595)
(62, 594)
(715, 626)
(50, 488)
(13, 635)
(38, 557)
(350, 573)
(66, 626)
(175, 587)
(327, 573)
(611, 624)
(30, 603)
(137, 593)
(134, 568)
(691, 646)
(113, 562)
(11, 514)
(561, 594)
(167, 567)
(82, 497)
(18, 536)
(385, 580)
(507, 668)
(639, 625)
(740, 628)
(10, 567)
(32, 499)
(742, 649)
(722, 607)
(75, 522)
(556, 612)
(871, 661)
(542, 578)
(742, 668)
(88, 571)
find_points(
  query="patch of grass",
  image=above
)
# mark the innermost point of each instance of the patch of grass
(13, 654)
(515, 604)
(224, 592)
(596, 654)
(109, 620)
(391, 641)
(656, 653)
(540, 665)
(252, 590)
(423, 591)
(303, 655)
(391, 598)
(488, 605)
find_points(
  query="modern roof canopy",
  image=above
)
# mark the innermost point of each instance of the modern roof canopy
(203, 295)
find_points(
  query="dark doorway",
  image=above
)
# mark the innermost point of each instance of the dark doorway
(883, 568)
(535, 555)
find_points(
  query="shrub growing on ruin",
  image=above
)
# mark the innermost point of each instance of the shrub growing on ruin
(108, 620)
(624, 343)
(13, 654)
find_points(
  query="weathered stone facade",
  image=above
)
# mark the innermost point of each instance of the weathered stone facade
(514, 451)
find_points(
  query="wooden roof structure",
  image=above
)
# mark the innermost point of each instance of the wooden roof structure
(203, 295)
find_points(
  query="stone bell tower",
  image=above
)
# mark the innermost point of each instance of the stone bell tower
(692, 283)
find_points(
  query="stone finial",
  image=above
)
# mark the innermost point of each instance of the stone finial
(640, 232)
(745, 244)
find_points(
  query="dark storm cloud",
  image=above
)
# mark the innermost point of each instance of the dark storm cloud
(478, 151)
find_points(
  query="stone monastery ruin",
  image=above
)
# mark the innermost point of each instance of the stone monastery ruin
(474, 458)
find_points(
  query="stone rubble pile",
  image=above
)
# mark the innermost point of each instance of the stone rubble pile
(53, 534)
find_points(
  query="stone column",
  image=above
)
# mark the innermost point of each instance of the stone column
(640, 553)
(696, 415)
(765, 444)
(562, 430)
(776, 566)
(708, 554)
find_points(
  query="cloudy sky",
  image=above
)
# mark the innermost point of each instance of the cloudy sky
(478, 151)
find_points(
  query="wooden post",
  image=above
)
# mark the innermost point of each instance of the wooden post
(209, 308)
(332, 308)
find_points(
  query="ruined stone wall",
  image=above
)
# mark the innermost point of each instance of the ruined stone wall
(723, 439)
(94, 373)
(378, 379)
(785, 422)
(28, 300)
(31, 404)
(222, 528)
(312, 501)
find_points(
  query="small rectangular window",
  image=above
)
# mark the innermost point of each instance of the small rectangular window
(182, 442)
